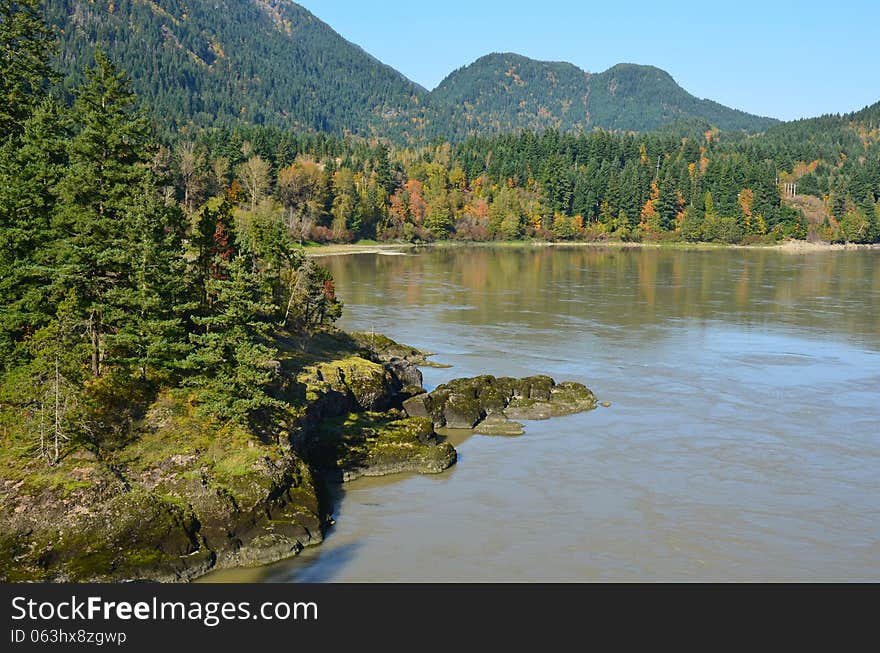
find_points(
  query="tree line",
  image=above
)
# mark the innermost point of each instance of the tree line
(692, 184)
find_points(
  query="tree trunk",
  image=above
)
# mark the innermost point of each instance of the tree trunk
(57, 408)
(96, 341)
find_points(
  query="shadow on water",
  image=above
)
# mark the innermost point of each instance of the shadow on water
(322, 568)
(324, 563)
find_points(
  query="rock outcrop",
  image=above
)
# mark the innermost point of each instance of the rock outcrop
(187, 494)
(351, 429)
(376, 444)
(467, 403)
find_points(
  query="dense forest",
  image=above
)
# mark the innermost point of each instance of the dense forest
(503, 93)
(222, 63)
(226, 62)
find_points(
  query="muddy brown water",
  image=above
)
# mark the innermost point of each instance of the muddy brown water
(742, 443)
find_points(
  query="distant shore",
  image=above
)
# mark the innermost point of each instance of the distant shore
(398, 249)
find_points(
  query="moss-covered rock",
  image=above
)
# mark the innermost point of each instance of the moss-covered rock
(462, 411)
(499, 425)
(352, 383)
(386, 350)
(376, 444)
(187, 496)
(563, 399)
(136, 534)
(466, 403)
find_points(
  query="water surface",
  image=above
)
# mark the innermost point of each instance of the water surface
(743, 440)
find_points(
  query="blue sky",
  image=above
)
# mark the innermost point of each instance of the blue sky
(776, 58)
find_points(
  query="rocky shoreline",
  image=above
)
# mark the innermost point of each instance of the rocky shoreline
(187, 497)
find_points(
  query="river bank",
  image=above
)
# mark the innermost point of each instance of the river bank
(399, 249)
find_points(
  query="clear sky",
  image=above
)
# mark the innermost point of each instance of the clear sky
(773, 57)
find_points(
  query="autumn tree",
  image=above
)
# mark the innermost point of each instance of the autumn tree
(302, 189)
(190, 162)
(254, 174)
(346, 217)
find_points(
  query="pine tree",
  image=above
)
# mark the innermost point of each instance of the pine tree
(28, 126)
(234, 363)
(667, 202)
(30, 168)
(384, 174)
(150, 299)
(106, 170)
(312, 301)
(557, 184)
(26, 44)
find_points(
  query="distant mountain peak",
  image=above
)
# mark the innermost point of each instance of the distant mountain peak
(507, 91)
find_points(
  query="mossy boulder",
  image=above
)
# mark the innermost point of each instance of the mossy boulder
(376, 444)
(467, 403)
(349, 384)
(563, 399)
(462, 411)
(497, 424)
(384, 349)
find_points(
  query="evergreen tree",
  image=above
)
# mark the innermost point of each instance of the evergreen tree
(30, 168)
(692, 224)
(26, 44)
(312, 301)
(233, 361)
(667, 202)
(149, 302)
(106, 170)
(557, 184)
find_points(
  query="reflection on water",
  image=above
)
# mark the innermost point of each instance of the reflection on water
(743, 441)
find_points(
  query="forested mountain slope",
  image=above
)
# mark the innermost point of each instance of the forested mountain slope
(222, 62)
(501, 93)
(272, 62)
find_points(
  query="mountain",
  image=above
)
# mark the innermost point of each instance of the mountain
(221, 62)
(645, 98)
(272, 62)
(506, 92)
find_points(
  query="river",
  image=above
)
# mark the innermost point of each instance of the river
(742, 442)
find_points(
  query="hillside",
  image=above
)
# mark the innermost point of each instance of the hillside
(221, 62)
(501, 93)
(272, 62)
(645, 98)
(506, 92)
